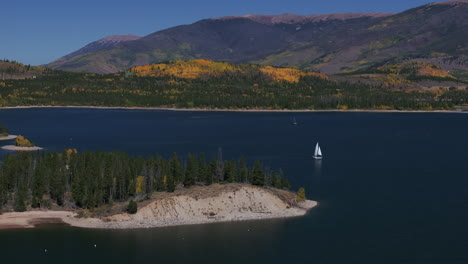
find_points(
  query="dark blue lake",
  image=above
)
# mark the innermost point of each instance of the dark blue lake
(392, 187)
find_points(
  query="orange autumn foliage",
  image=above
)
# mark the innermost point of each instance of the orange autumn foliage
(288, 74)
(435, 72)
(416, 68)
(69, 152)
(185, 69)
(23, 142)
(194, 69)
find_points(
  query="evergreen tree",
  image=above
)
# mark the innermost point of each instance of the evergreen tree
(258, 177)
(202, 169)
(211, 171)
(275, 181)
(176, 168)
(219, 176)
(132, 207)
(231, 171)
(191, 172)
(20, 201)
(170, 184)
(3, 191)
(243, 170)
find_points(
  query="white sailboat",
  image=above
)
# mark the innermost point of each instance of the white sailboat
(318, 152)
(294, 121)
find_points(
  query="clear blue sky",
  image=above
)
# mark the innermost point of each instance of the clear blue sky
(39, 31)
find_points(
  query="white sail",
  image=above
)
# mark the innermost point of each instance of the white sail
(317, 149)
(317, 152)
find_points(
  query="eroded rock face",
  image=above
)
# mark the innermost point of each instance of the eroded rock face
(242, 204)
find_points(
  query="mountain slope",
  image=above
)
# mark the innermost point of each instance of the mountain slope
(435, 33)
(16, 70)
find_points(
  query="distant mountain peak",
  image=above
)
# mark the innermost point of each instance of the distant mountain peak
(330, 43)
(104, 43)
(451, 2)
(289, 18)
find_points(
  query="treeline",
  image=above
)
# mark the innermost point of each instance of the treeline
(231, 90)
(93, 179)
(4, 131)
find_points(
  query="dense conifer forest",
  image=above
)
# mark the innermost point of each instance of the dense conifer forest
(92, 179)
(206, 84)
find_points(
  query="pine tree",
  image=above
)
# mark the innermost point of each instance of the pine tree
(258, 177)
(231, 171)
(191, 172)
(243, 170)
(170, 187)
(219, 176)
(132, 207)
(202, 169)
(176, 168)
(211, 172)
(275, 182)
(20, 201)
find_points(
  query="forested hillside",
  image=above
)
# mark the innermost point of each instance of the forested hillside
(209, 85)
(92, 179)
(16, 70)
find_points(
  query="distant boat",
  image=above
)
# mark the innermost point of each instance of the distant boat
(294, 121)
(318, 152)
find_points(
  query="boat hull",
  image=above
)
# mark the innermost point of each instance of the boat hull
(317, 157)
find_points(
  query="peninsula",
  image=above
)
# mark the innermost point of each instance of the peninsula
(21, 144)
(115, 190)
(196, 205)
(5, 134)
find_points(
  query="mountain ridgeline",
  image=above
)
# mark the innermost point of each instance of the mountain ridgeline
(338, 43)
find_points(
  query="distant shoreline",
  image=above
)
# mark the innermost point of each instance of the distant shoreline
(235, 110)
(9, 137)
(17, 148)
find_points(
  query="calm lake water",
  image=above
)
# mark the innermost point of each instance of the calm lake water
(392, 187)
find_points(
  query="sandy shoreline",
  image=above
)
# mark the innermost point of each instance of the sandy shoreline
(9, 137)
(236, 110)
(31, 219)
(16, 148)
(218, 203)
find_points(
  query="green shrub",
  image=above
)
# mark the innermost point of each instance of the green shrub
(132, 207)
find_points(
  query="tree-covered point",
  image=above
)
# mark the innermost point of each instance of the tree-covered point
(221, 86)
(93, 179)
(4, 131)
(21, 141)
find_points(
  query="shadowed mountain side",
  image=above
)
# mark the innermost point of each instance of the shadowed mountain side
(328, 43)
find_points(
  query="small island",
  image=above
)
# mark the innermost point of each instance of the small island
(5, 134)
(22, 144)
(117, 191)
